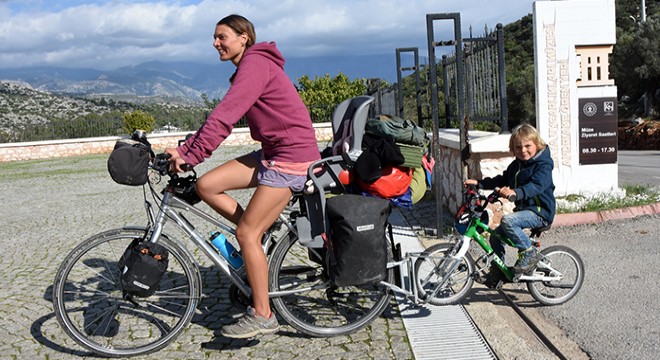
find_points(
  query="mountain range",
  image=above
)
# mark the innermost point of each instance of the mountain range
(185, 81)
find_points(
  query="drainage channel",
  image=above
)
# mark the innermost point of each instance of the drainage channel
(436, 332)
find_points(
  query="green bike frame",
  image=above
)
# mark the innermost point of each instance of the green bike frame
(474, 231)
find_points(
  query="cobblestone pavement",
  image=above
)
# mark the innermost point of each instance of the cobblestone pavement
(52, 205)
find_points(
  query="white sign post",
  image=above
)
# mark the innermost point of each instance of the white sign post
(576, 107)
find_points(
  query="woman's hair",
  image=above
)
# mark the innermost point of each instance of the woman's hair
(526, 132)
(240, 25)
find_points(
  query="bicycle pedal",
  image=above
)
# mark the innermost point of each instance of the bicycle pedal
(479, 278)
(499, 285)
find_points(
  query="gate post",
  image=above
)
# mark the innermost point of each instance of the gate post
(399, 70)
(433, 80)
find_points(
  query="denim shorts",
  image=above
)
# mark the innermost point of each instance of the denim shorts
(277, 179)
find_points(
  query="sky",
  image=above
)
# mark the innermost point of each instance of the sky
(108, 34)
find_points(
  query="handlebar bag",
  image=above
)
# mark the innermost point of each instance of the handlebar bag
(142, 266)
(128, 163)
(357, 238)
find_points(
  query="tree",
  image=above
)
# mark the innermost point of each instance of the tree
(137, 120)
(519, 58)
(322, 94)
(635, 65)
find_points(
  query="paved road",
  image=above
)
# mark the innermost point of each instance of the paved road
(639, 167)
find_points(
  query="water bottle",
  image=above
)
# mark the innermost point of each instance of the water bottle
(227, 250)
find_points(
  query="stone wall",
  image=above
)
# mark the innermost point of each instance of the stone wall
(75, 147)
(489, 156)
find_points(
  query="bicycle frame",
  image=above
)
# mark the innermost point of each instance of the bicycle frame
(171, 207)
(474, 231)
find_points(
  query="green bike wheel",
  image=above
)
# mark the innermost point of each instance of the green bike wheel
(563, 264)
(432, 266)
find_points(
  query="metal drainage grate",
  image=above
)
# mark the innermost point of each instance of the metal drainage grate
(437, 332)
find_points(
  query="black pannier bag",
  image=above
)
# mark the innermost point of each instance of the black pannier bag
(358, 239)
(142, 266)
(128, 163)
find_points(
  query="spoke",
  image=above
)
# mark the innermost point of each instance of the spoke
(99, 273)
(112, 310)
(163, 309)
(88, 289)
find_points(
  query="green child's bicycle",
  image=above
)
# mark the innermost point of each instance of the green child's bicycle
(446, 272)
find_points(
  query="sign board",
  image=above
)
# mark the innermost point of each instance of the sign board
(598, 131)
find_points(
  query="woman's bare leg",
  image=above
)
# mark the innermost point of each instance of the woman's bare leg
(266, 205)
(240, 173)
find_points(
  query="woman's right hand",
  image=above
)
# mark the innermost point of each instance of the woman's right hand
(176, 161)
(469, 182)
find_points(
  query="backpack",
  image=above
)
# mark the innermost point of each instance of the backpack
(357, 239)
(400, 130)
(142, 266)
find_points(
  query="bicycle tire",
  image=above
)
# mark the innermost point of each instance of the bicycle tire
(427, 276)
(569, 264)
(319, 309)
(88, 302)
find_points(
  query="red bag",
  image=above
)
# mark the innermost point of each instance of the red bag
(394, 181)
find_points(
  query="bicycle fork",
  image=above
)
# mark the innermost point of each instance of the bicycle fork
(446, 267)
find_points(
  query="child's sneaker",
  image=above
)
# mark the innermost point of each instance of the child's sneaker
(527, 260)
(251, 325)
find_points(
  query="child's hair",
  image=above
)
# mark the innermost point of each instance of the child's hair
(526, 132)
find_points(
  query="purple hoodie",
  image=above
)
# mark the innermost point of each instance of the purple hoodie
(276, 115)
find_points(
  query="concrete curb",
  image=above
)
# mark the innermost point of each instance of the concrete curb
(595, 217)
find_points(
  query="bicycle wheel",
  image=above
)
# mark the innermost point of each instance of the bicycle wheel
(315, 307)
(430, 268)
(88, 302)
(564, 264)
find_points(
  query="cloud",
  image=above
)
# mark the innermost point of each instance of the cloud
(108, 34)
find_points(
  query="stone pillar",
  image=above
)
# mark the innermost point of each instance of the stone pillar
(575, 99)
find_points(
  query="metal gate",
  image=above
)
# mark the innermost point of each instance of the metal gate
(474, 85)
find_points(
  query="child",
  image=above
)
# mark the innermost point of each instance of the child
(529, 177)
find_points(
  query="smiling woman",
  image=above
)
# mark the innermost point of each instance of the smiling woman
(262, 93)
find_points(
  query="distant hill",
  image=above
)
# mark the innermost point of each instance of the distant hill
(183, 81)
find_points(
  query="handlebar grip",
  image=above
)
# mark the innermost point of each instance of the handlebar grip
(512, 198)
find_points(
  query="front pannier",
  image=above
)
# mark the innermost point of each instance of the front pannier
(142, 266)
(358, 239)
(128, 163)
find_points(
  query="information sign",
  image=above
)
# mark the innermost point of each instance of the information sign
(598, 131)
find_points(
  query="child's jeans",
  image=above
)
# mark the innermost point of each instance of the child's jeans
(512, 226)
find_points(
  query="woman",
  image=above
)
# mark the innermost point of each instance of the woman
(260, 91)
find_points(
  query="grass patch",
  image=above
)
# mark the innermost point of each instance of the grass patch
(34, 169)
(629, 195)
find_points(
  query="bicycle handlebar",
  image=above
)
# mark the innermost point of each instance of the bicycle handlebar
(479, 202)
(162, 164)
